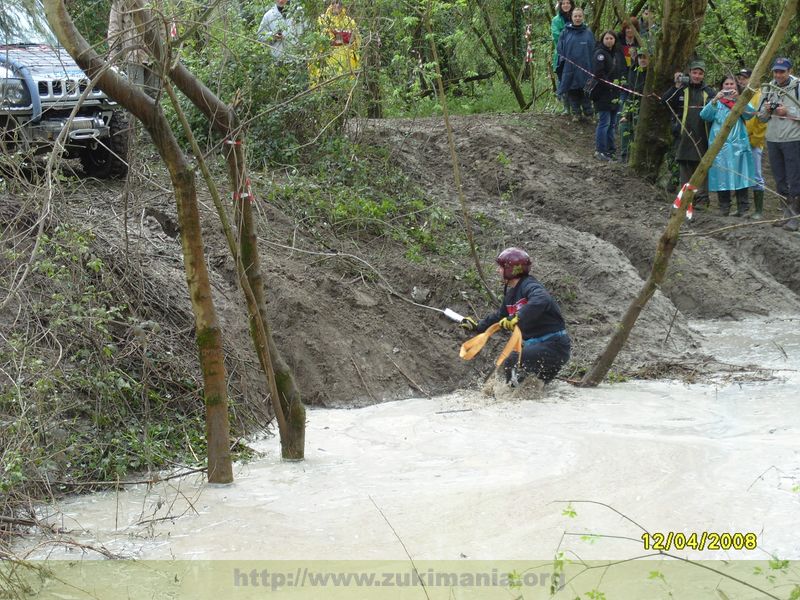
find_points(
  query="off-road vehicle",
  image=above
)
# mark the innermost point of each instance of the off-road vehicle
(40, 85)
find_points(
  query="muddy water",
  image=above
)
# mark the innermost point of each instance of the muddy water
(465, 476)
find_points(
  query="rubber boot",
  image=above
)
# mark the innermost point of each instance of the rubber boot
(724, 199)
(794, 208)
(742, 202)
(758, 202)
(787, 212)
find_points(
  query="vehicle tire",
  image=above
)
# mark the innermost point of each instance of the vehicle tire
(109, 160)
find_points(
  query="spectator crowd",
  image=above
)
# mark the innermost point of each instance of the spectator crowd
(602, 79)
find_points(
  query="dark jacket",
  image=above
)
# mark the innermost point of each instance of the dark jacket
(574, 57)
(686, 103)
(609, 65)
(538, 313)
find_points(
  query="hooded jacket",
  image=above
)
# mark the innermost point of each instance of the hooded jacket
(340, 54)
(575, 48)
(733, 167)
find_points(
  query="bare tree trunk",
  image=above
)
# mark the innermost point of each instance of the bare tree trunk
(681, 23)
(285, 395)
(669, 239)
(208, 333)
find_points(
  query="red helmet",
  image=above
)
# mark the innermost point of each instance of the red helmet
(515, 263)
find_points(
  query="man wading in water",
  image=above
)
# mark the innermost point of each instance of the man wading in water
(546, 346)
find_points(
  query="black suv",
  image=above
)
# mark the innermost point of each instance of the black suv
(40, 85)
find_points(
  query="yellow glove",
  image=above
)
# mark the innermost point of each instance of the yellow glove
(508, 323)
(468, 324)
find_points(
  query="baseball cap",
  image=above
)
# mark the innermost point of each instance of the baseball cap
(697, 64)
(745, 72)
(781, 64)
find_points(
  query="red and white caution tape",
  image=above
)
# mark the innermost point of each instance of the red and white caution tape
(677, 204)
(247, 193)
(529, 50)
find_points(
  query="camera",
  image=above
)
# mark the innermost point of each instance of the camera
(727, 92)
(773, 105)
(684, 79)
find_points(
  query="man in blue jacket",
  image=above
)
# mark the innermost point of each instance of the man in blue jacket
(546, 346)
(575, 62)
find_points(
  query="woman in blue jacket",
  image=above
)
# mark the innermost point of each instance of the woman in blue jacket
(575, 60)
(733, 169)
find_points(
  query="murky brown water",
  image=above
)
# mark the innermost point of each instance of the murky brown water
(463, 476)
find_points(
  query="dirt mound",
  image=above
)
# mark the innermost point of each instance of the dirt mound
(342, 309)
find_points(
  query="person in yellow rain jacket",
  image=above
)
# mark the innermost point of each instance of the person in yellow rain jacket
(339, 52)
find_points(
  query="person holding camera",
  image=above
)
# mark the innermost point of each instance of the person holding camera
(780, 109)
(281, 27)
(733, 168)
(686, 98)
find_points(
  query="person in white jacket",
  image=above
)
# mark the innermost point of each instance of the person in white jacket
(281, 27)
(126, 46)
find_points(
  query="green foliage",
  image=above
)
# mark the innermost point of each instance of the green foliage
(616, 377)
(354, 189)
(466, 99)
(91, 19)
(92, 397)
(775, 566)
(283, 120)
(569, 511)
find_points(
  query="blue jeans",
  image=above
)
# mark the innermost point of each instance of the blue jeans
(542, 359)
(605, 132)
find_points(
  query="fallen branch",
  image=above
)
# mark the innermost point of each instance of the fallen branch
(414, 383)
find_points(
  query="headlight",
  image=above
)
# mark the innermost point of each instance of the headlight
(14, 92)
